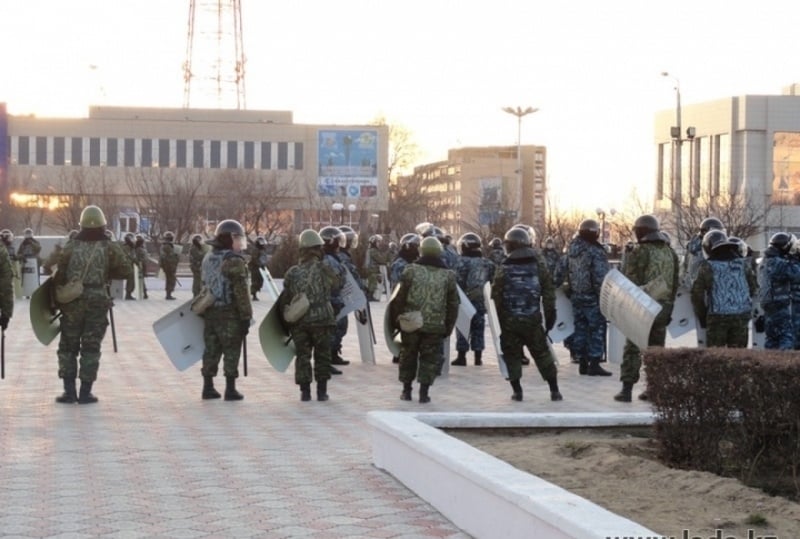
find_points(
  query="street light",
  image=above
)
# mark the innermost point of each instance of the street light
(601, 214)
(677, 141)
(350, 209)
(337, 206)
(519, 112)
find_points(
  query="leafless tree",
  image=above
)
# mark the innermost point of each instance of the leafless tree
(403, 150)
(78, 188)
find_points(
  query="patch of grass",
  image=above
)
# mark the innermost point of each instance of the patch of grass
(756, 519)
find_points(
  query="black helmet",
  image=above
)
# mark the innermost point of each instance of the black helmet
(782, 241)
(73, 233)
(332, 237)
(169, 237)
(712, 240)
(27, 233)
(226, 232)
(139, 239)
(529, 229)
(446, 239)
(374, 240)
(197, 239)
(469, 242)
(496, 243)
(741, 245)
(589, 229)
(645, 225)
(410, 241)
(549, 243)
(710, 223)
(424, 229)
(350, 236)
(129, 237)
(109, 234)
(516, 238)
(261, 242)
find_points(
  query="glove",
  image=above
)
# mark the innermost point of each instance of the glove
(760, 324)
(702, 322)
(549, 319)
(4, 321)
(361, 316)
(244, 327)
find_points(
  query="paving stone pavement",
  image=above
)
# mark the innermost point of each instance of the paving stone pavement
(152, 459)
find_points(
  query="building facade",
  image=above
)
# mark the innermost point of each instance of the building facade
(746, 147)
(122, 158)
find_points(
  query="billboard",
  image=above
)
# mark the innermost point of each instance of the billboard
(348, 163)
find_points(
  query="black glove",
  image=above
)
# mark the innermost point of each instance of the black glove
(702, 322)
(760, 324)
(361, 316)
(549, 319)
(4, 321)
(244, 327)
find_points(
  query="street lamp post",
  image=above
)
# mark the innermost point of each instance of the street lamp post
(350, 209)
(337, 206)
(519, 112)
(677, 142)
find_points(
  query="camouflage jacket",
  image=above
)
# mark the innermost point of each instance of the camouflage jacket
(168, 258)
(449, 256)
(587, 266)
(427, 286)
(776, 274)
(723, 285)
(95, 263)
(347, 262)
(6, 283)
(522, 285)
(653, 260)
(396, 270)
(258, 258)
(315, 279)
(497, 256)
(141, 258)
(29, 248)
(692, 259)
(332, 261)
(225, 273)
(472, 272)
(551, 258)
(196, 254)
(375, 259)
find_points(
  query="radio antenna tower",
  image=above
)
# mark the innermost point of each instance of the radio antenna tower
(213, 72)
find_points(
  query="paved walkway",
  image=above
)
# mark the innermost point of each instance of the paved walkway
(152, 459)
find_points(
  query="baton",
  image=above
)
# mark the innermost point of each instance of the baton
(3, 355)
(244, 354)
(369, 320)
(113, 329)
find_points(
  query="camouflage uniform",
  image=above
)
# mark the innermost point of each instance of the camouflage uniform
(331, 260)
(226, 322)
(312, 334)
(129, 249)
(6, 285)
(425, 286)
(341, 324)
(650, 259)
(29, 248)
(721, 297)
(496, 255)
(168, 261)
(551, 258)
(376, 258)
(586, 267)
(196, 254)
(398, 265)
(84, 320)
(776, 274)
(141, 261)
(450, 256)
(258, 261)
(521, 281)
(692, 260)
(472, 273)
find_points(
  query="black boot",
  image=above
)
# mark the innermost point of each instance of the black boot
(144, 295)
(461, 360)
(334, 370)
(305, 392)
(322, 390)
(625, 394)
(406, 394)
(255, 297)
(555, 394)
(70, 395)
(595, 369)
(86, 396)
(230, 389)
(583, 366)
(129, 296)
(517, 387)
(525, 360)
(423, 393)
(395, 359)
(478, 358)
(336, 359)
(208, 388)
(170, 296)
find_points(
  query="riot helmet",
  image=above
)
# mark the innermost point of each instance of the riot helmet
(589, 229)
(351, 238)
(7, 236)
(644, 226)
(712, 240)
(109, 234)
(516, 238)
(710, 223)
(496, 243)
(261, 242)
(92, 217)
(549, 243)
(333, 238)
(27, 233)
(469, 242)
(782, 241)
(741, 245)
(197, 239)
(430, 246)
(72, 234)
(229, 235)
(310, 238)
(375, 240)
(529, 229)
(169, 237)
(129, 238)
(410, 241)
(424, 229)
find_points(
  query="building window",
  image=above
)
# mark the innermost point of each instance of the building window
(266, 155)
(58, 151)
(94, 152)
(723, 183)
(77, 151)
(24, 151)
(130, 152)
(298, 156)
(41, 150)
(197, 154)
(180, 153)
(216, 151)
(163, 153)
(233, 157)
(704, 167)
(665, 185)
(111, 152)
(249, 154)
(147, 152)
(283, 155)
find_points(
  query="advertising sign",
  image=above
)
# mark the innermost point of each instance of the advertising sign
(348, 163)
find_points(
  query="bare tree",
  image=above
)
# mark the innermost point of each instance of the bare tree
(403, 150)
(81, 187)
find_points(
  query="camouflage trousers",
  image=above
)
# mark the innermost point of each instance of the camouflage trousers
(170, 280)
(197, 283)
(222, 336)
(256, 280)
(778, 326)
(338, 334)
(130, 286)
(589, 338)
(519, 332)
(420, 356)
(632, 356)
(83, 326)
(312, 341)
(477, 328)
(727, 330)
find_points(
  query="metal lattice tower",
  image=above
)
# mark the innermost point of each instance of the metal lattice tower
(213, 71)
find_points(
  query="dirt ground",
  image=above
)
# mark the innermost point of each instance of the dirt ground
(617, 469)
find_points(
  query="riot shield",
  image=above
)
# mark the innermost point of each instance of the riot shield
(44, 314)
(628, 307)
(275, 340)
(180, 333)
(30, 276)
(565, 323)
(494, 328)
